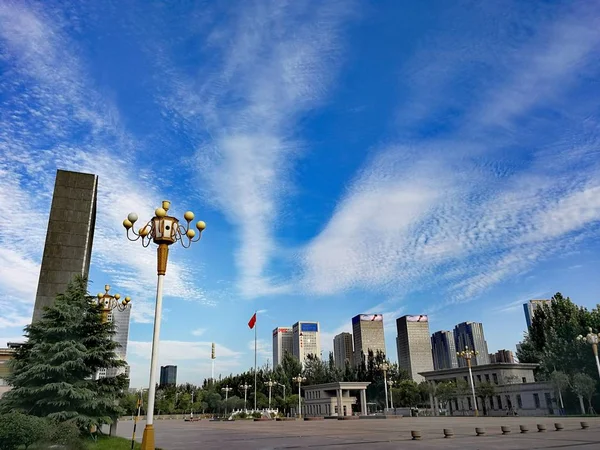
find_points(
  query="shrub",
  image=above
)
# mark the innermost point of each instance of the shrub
(242, 415)
(18, 429)
(66, 434)
(256, 415)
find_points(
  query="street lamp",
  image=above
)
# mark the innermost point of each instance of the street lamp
(467, 354)
(270, 383)
(109, 302)
(390, 384)
(299, 379)
(227, 390)
(592, 339)
(384, 368)
(163, 230)
(245, 387)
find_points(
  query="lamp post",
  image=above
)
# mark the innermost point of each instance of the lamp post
(163, 230)
(299, 379)
(245, 387)
(592, 339)
(467, 354)
(390, 384)
(109, 302)
(270, 383)
(283, 386)
(384, 368)
(227, 390)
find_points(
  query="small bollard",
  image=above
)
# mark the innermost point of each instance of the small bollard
(541, 427)
(505, 429)
(524, 428)
(448, 432)
(558, 426)
(584, 425)
(416, 435)
(480, 431)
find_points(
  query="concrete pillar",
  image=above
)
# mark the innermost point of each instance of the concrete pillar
(433, 405)
(339, 402)
(363, 402)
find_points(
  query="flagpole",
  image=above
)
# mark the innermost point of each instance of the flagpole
(255, 327)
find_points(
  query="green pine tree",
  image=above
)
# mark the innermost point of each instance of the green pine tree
(53, 372)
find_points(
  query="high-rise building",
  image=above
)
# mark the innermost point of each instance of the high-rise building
(502, 356)
(306, 340)
(470, 334)
(168, 375)
(342, 350)
(121, 336)
(530, 308)
(443, 350)
(69, 236)
(414, 345)
(283, 342)
(367, 332)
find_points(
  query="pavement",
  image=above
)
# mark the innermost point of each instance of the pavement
(375, 434)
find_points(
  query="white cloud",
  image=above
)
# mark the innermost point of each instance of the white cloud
(264, 350)
(54, 94)
(278, 64)
(192, 359)
(457, 211)
(199, 331)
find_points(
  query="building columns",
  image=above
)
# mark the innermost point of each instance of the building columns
(363, 402)
(339, 402)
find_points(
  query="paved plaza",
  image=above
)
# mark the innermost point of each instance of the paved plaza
(371, 434)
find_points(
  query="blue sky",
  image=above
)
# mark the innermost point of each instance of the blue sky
(348, 157)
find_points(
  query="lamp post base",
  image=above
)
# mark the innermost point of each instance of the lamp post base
(148, 438)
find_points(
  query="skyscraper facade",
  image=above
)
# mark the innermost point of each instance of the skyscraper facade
(168, 375)
(414, 345)
(470, 334)
(121, 321)
(283, 342)
(530, 308)
(343, 350)
(306, 340)
(443, 350)
(367, 332)
(69, 236)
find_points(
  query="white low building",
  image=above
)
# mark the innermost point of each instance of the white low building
(334, 399)
(516, 390)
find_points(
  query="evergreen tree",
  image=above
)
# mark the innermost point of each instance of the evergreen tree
(53, 372)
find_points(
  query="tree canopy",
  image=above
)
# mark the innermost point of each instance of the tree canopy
(54, 372)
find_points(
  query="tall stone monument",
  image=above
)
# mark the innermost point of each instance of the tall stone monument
(69, 238)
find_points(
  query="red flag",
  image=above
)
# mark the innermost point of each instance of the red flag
(252, 321)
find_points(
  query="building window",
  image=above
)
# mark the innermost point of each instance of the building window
(479, 378)
(524, 379)
(487, 377)
(466, 379)
(495, 378)
(536, 400)
(499, 401)
(519, 401)
(469, 402)
(508, 402)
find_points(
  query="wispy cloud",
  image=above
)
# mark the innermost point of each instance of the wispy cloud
(462, 210)
(278, 62)
(57, 96)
